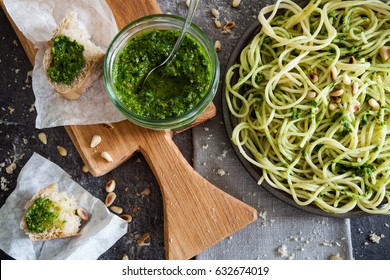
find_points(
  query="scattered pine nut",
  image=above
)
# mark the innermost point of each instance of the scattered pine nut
(145, 192)
(217, 23)
(217, 46)
(110, 199)
(236, 3)
(188, 2)
(85, 169)
(125, 257)
(110, 185)
(83, 214)
(96, 139)
(128, 218)
(229, 25)
(116, 209)
(352, 60)
(62, 151)
(108, 125)
(215, 13)
(106, 156)
(42, 137)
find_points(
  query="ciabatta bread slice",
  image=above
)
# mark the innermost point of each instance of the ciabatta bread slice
(68, 223)
(94, 57)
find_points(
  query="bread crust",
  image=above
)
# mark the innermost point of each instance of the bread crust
(48, 192)
(93, 55)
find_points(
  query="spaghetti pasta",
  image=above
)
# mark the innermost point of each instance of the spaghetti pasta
(311, 95)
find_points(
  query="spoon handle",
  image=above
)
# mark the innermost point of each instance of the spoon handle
(190, 15)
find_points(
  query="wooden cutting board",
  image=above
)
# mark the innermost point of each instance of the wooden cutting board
(196, 213)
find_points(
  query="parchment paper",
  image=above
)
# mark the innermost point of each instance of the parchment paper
(37, 19)
(96, 235)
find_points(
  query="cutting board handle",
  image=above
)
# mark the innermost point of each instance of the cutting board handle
(197, 214)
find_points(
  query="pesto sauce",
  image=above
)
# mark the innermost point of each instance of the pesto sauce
(42, 215)
(68, 60)
(169, 91)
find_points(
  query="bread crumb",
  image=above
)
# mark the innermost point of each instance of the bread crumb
(206, 128)
(376, 238)
(223, 155)
(282, 251)
(4, 184)
(10, 169)
(221, 172)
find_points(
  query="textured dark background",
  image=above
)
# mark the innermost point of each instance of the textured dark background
(18, 141)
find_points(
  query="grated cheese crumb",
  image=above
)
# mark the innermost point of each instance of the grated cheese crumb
(376, 238)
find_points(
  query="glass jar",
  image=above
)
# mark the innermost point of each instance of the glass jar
(160, 22)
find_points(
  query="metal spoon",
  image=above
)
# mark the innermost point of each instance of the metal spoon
(190, 14)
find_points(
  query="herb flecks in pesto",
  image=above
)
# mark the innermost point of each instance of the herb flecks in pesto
(42, 215)
(169, 91)
(68, 60)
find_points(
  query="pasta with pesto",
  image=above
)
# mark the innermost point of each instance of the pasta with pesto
(311, 95)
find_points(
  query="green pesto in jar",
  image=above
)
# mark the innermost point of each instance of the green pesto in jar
(68, 60)
(43, 215)
(170, 91)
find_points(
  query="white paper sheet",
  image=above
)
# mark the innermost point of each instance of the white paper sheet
(37, 19)
(96, 235)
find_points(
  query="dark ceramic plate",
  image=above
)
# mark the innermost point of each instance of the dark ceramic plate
(255, 172)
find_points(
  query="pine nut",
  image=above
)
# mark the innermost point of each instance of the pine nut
(83, 214)
(384, 53)
(85, 169)
(217, 23)
(332, 106)
(336, 99)
(110, 186)
(374, 104)
(311, 94)
(333, 72)
(313, 77)
(116, 209)
(354, 107)
(229, 25)
(188, 2)
(352, 60)
(96, 139)
(110, 199)
(125, 256)
(128, 218)
(355, 88)
(42, 137)
(62, 151)
(217, 46)
(236, 3)
(215, 13)
(346, 79)
(337, 92)
(106, 156)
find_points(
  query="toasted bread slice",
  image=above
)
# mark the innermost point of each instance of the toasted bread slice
(65, 207)
(94, 58)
